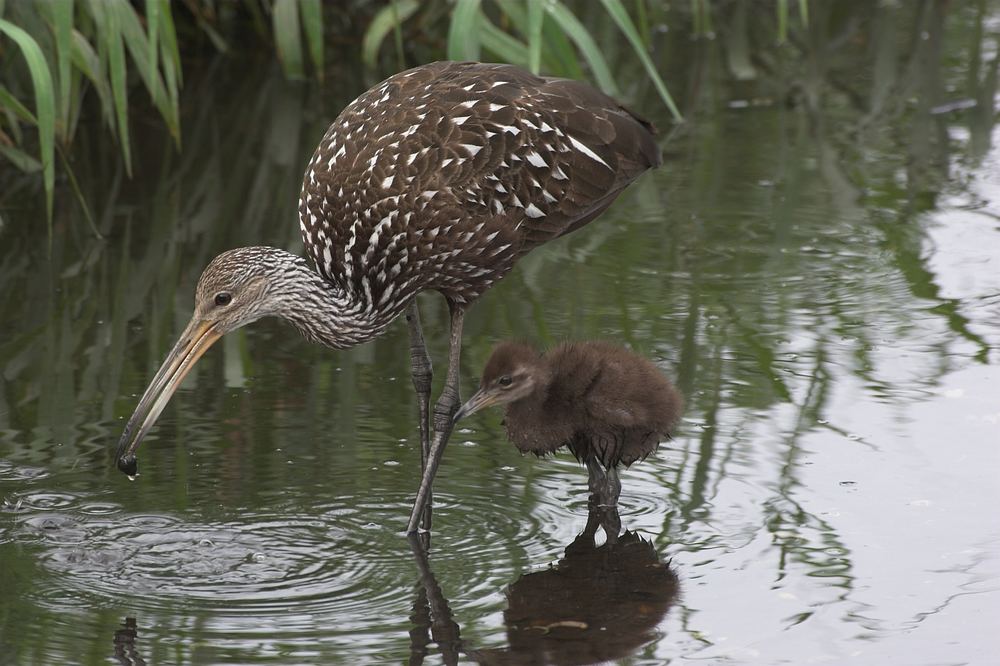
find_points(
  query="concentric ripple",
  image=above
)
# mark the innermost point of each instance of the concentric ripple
(259, 576)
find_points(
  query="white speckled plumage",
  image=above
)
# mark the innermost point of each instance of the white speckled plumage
(419, 160)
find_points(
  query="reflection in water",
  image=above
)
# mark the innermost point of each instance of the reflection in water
(599, 602)
(432, 618)
(125, 651)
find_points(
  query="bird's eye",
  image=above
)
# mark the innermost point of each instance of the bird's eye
(505, 381)
(223, 298)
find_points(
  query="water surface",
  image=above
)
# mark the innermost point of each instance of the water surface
(816, 266)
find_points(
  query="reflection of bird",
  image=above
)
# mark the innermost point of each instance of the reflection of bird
(439, 178)
(597, 604)
(125, 636)
(433, 621)
(608, 405)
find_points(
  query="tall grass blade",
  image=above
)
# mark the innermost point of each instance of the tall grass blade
(87, 61)
(702, 13)
(463, 33)
(171, 62)
(287, 37)
(79, 195)
(624, 21)
(153, 35)
(645, 28)
(397, 37)
(804, 12)
(116, 68)
(506, 48)
(585, 42)
(168, 39)
(312, 21)
(558, 53)
(19, 158)
(45, 108)
(137, 43)
(13, 104)
(15, 136)
(782, 9)
(536, 19)
(388, 18)
(62, 17)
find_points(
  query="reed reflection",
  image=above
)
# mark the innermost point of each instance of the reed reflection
(600, 601)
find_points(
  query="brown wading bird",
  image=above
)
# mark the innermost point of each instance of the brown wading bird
(607, 405)
(439, 178)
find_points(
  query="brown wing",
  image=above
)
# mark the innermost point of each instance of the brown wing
(441, 176)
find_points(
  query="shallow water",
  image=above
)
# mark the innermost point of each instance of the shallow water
(815, 266)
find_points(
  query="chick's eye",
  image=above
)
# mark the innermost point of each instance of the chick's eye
(505, 381)
(223, 298)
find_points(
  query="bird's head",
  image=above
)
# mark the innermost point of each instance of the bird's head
(238, 287)
(514, 371)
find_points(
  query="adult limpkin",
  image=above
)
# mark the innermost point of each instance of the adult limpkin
(440, 178)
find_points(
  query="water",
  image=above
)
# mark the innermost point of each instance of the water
(815, 266)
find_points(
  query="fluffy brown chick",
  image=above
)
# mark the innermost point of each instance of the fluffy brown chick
(606, 404)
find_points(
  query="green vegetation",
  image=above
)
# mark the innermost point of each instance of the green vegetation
(72, 51)
(71, 48)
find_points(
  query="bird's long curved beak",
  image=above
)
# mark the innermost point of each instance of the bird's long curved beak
(480, 399)
(196, 338)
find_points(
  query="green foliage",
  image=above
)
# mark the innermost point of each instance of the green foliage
(45, 113)
(388, 19)
(91, 45)
(290, 18)
(110, 50)
(539, 34)
(782, 17)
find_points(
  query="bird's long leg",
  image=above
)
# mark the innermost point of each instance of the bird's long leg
(614, 486)
(440, 620)
(422, 372)
(597, 479)
(449, 400)
(605, 484)
(444, 409)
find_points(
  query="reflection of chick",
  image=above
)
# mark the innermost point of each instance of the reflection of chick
(597, 604)
(608, 405)
(124, 640)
